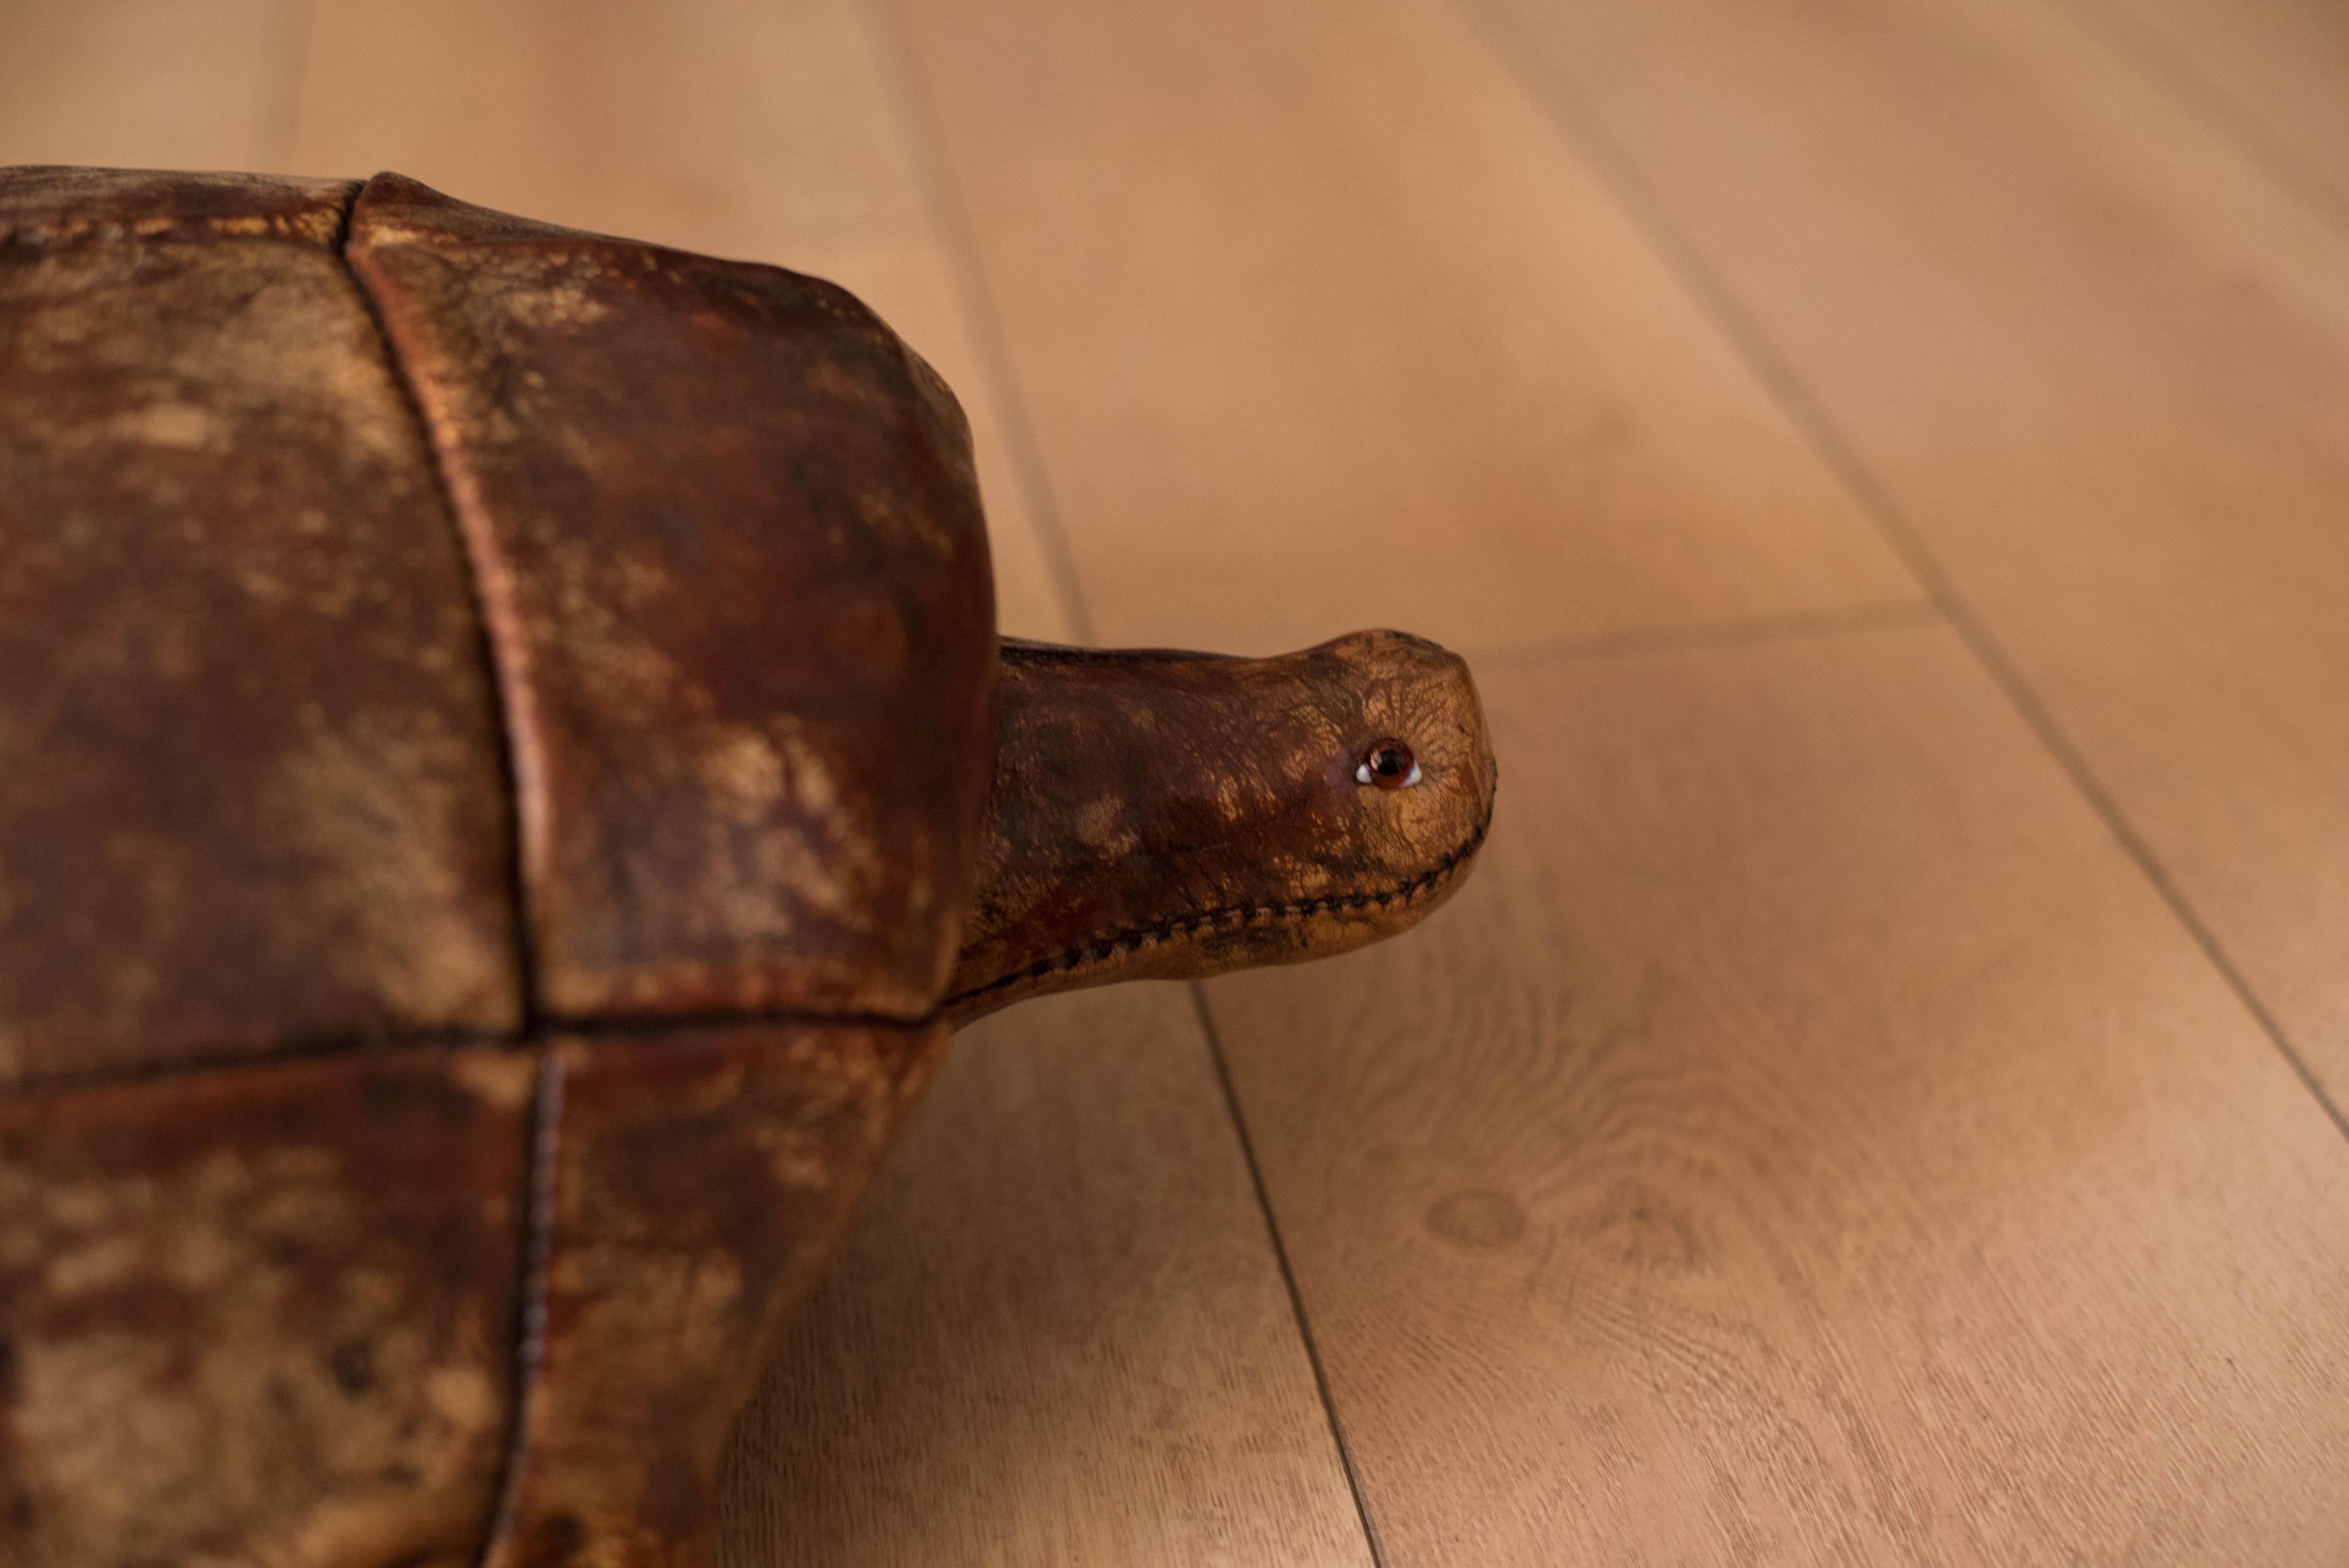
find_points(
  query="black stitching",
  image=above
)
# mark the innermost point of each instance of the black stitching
(1117, 943)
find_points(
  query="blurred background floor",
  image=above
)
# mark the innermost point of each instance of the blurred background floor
(1888, 461)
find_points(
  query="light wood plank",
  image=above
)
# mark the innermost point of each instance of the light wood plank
(731, 127)
(1057, 1336)
(1320, 326)
(1808, 1141)
(146, 84)
(2099, 361)
(2279, 67)
(767, 131)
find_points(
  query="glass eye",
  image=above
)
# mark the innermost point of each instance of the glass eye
(1388, 763)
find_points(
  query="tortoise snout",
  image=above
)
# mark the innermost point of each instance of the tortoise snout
(1416, 756)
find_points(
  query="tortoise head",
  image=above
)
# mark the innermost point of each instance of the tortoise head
(1158, 814)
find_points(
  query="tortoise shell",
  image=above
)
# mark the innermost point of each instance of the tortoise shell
(507, 781)
(452, 791)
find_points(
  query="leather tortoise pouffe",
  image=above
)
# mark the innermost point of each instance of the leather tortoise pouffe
(508, 780)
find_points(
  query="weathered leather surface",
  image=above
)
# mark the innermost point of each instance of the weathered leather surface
(252, 800)
(43, 206)
(697, 1181)
(397, 1307)
(1164, 814)
(250, 792)
(261, 1313)
(730, 551)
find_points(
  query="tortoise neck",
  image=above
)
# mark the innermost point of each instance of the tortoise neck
(1159, 814)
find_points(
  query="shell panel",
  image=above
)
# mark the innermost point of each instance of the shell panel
(249, 787)
(262, 1313)
(699, 1181)
(734, 566)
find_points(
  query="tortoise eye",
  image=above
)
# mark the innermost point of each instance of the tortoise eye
(1388, 763)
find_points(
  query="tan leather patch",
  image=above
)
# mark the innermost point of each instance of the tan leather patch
(261, 1314)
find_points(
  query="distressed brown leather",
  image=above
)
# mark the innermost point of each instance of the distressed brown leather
(1159, 814)
(249, 782)
(729, 541)
(697, 1183)
(261, 1313)
(502, 800)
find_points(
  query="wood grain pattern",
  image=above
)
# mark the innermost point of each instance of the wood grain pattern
(2278, 70)
(759, 131)
(2097, 360)
(1057, 1336)
(1321, 327)
(1808, 1141)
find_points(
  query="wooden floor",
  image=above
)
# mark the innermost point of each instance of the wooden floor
(1888, 461)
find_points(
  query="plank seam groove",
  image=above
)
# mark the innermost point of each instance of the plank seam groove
(2209, 108)
(1580, 128)
(1742, 632)
(1288, 1275)
(942, 202)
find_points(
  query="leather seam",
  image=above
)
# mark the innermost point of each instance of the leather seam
(1117, 943)
(538, 1256)
(548, 1029)
(502, 702)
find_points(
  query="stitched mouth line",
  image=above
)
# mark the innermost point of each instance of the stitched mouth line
(1233, 917)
